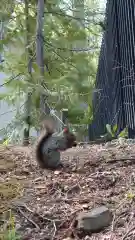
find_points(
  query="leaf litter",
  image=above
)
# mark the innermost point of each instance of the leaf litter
(45, 203)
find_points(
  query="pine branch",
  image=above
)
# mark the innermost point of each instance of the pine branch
(10, 80)
(62, 58)
(72, 50)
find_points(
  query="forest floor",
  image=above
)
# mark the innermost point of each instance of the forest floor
(43, 204)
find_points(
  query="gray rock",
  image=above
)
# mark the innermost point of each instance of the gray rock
(18, 226)
(95, 220)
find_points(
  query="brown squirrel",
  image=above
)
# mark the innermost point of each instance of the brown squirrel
(50, 144)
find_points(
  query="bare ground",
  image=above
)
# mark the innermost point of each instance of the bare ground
(45, 203)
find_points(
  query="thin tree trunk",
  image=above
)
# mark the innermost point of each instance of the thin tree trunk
(40, 56)
(28, 97)
(1, 36)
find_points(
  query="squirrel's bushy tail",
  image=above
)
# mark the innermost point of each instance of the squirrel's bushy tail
(44, 136)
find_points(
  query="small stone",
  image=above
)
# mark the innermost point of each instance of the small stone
(85, 206)
(73, 169)
(121, 140)
(68, 238)
(2, 179)
(57, 172)
(87, 238)
(108, 144)
(95, 220)
(17, 226)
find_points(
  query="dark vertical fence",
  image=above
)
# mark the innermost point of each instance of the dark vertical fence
(114, 96)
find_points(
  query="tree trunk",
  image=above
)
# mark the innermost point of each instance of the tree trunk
(29, 59)
(1, 37)
(44, 108)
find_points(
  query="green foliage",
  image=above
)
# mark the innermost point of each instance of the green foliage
(112, 130)
(124, 133)
(70, 62)
(10, 233)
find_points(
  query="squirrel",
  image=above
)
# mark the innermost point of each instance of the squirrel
(50, 144)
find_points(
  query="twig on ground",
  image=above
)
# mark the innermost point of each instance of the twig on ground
(43, 218)
(121, 160)
(29, 210)
(128, 232)
(113, 222)
(55, 230)
(30, 220)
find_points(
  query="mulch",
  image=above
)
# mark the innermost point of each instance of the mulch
(46, 203)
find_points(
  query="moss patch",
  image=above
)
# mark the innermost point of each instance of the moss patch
(9, 191)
